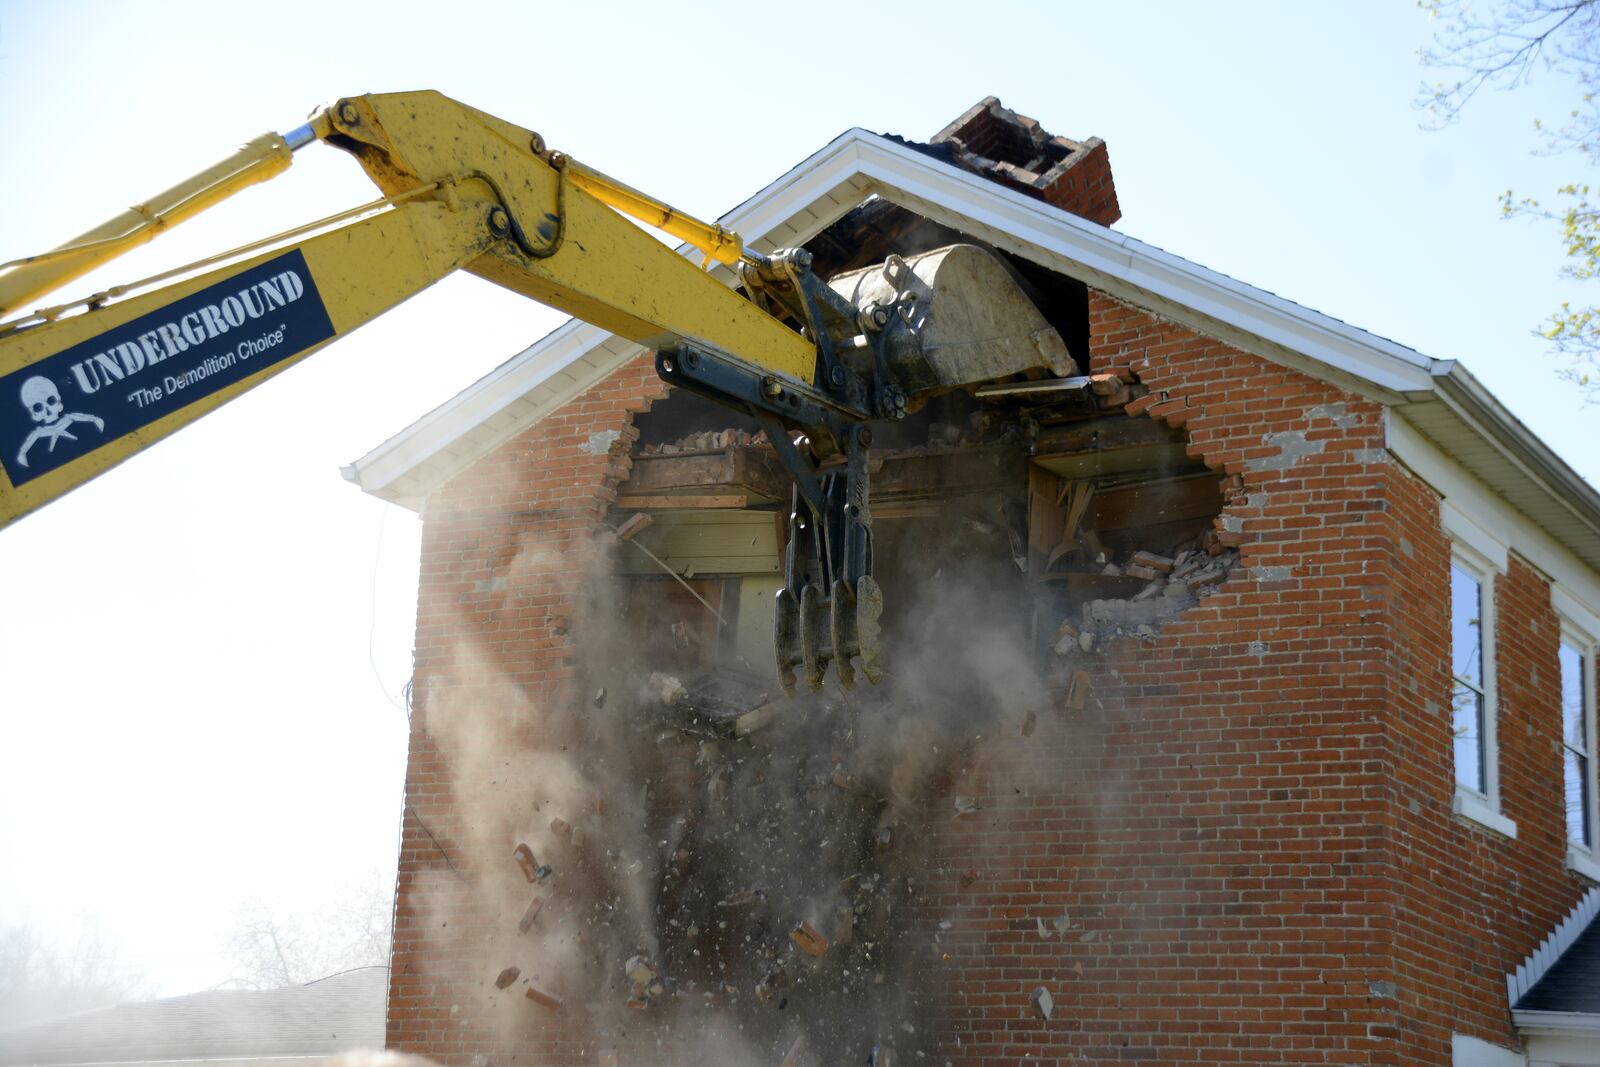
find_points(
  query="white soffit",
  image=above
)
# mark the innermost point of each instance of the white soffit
(1439, 397)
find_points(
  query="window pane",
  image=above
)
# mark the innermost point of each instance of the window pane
(1574, 724)
(1466, 637)
(1577, 782)
(1466, 718)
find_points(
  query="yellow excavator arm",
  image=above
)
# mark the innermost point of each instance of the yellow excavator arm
(85, 385)
(463, 191)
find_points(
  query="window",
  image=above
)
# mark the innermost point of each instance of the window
(1472, 696)
(1578, 739)
(1469, 699)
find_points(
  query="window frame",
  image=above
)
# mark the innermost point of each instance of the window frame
(1580, 629)
(1482, 808)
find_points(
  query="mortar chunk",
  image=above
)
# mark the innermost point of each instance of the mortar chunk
(530, 915)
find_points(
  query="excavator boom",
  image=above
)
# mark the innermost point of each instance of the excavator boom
(87, 384)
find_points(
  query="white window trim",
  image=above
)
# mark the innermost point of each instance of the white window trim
(1485, 559)
(1576, 630)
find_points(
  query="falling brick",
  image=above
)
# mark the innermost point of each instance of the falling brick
(530, 866)
(530, 915)
(807, 940)
(634, 526)
(1159, 564)
(1030, 720)
(1078, 690)
(506, 977)
(561, 828)
(541, 997)
(742, 899)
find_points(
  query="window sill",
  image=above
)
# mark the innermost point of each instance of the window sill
(1475, 809)
(1584, 863)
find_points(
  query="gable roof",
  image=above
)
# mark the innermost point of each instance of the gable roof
(335, 1014)
(1438, 397)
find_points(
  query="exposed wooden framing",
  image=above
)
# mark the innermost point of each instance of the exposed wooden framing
(1156, 503)
(1046, 518)
(906, 511)
(1103, 434)
(906, 477)
(747, 469)
(679, 503)
(708, 542)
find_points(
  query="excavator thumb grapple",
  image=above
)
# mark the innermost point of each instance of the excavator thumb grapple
(889, 338)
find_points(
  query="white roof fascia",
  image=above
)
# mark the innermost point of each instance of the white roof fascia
(1478, 408)
(1125, 267)
(532, 368)
(1558, 1023)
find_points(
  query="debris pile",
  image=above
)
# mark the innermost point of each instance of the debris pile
(1166, 586)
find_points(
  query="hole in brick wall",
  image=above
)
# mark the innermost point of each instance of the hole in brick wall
(760, 874)
(1019, 533)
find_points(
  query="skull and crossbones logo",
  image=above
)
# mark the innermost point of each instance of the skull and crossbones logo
(43, 401)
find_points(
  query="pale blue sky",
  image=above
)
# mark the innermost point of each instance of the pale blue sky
(200, 650)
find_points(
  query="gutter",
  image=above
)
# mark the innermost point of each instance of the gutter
(1476, 406)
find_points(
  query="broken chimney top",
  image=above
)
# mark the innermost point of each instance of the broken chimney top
(1014, 150)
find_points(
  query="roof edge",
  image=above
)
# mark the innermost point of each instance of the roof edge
(1475, 404)
(1540, 960)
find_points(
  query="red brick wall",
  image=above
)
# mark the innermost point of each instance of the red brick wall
(504, 550)
(1471, 904)
(1246, 832)
(1210, 826)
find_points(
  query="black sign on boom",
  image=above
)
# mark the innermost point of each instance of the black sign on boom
(87, 396)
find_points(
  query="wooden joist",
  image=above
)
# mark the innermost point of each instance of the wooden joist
(680, 503)
(748, 469)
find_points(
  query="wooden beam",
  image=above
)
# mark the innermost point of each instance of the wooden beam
(1156, 503)
(1103, 434)
(902, 478)
(742, 468)
(673, 503)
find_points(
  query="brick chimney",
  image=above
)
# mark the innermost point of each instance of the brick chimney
(1014, 150)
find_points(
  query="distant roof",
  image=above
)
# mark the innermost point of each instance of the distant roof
(308, 1021)
(1556, 990)
(1572, 984)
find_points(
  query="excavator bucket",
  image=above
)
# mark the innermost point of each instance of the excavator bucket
(956, 317)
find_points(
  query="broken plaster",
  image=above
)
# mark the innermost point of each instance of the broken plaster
(1337, 413)
(600, 442)
(1292, 448)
